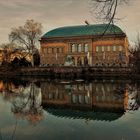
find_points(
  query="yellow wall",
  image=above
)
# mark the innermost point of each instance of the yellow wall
(93, 43)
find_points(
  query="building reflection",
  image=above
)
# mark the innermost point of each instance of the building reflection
(100, 100)
(90, 96)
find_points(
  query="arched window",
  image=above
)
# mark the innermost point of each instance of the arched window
(79, 61)
(85, 61)
(120, 56)
(55, 50)
(49, 50)
(114, 48)
(86, 47)
(73, 48)
(60, 50)
(108, 48)
(103, 48)
(120, 48)
(73, 60)
(80, 48)
(97, 48)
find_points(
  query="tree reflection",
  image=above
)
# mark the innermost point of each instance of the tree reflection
(28, 104)
(133, 100)
(25, 99)
(9, 90)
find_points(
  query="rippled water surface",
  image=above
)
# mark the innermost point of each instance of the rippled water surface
(69, 110)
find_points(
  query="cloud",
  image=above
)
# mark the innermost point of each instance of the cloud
(51, 13)
(56, 13)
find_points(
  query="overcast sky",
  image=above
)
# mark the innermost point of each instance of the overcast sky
(57, 13)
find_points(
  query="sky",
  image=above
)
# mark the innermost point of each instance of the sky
(58, 13)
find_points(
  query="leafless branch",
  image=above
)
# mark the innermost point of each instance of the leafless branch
(106, 10)
(27, 35)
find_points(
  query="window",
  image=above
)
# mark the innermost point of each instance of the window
(79, 47)
(49, 50)
(103, 48)
(54, 50)
(120, 48)
(60, 50)
(73, 48)
(114, 48)
(108, 48)
(97, 48)
(121, 56)
(86, 47)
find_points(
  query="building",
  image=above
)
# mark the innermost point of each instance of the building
(85, 45)
(9, 55)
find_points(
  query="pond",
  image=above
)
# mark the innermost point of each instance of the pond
(69, 110)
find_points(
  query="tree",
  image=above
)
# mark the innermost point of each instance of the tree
(27, 36)
(135, 55)
(106, 9)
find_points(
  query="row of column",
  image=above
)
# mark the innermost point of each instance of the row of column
(83, 61)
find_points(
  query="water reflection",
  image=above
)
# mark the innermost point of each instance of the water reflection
(133, 97)
(25, 99)
(92, 96)
(96, 100)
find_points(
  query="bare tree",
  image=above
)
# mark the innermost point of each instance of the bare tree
(27, 36)
(106, 10)
(134, 52)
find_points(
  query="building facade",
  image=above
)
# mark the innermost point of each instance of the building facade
(85, 45)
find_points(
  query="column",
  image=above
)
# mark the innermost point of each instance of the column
(90, 61)
(75, 59)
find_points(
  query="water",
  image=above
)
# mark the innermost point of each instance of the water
(69, 110)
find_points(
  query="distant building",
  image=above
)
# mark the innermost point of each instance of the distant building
(9, 55)
(85, 45)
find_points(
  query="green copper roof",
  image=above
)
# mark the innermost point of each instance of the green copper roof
(73, 114)
(83, 30)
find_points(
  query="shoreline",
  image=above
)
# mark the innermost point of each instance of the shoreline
(70, 72)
